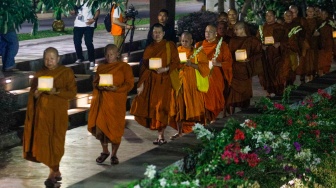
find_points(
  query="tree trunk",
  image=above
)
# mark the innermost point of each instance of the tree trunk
(243, 12)
(232, 4)
(221, 5)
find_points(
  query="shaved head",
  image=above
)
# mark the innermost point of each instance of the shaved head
(110, 47)
(50, 49)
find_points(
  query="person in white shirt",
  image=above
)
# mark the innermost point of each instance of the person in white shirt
(84, 24)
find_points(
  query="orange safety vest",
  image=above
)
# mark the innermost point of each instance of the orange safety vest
(116, 29)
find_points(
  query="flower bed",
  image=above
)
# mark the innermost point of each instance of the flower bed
(286, 145)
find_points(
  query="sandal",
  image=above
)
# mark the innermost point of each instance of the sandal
(160, 141)
(58, 178)
(102, 157)
(114, 160)
(49, 183)
(177, 135)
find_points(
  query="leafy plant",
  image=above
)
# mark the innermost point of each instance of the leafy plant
(196, 23)
(14, 13)
(288, 145)
(7, 107)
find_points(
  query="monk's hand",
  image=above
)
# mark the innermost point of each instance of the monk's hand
(162, 70)
(140, 88)
(53, 91)
(37, 93)
(276, 44)
(111, 88)
(100, 87)
(188, 63)
(216, 63)
(264, 47)
(316, 33)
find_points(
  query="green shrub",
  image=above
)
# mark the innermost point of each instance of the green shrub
(196, 23)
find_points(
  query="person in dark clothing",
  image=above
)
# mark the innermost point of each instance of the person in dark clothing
(169, 30)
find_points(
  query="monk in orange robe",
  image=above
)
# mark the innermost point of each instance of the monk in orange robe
(152, 104)
(47, 116)
(241, 86)
(232, 20)
(187, 103)
(298, 20)
(310, 48)
(325, 56)
(271, 78)
(290, 47)
(220, 74)
(108, 106)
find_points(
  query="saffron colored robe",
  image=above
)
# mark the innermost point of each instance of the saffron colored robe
(241, 85)
(325, 53)
(187, 104)
(46, 120)
(309, 65)
(272, 79)
(290, 48)
(108, 108)
(151, 107)
(219, 78)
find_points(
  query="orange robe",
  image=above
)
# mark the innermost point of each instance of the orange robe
(310, 48)
(151, 107)
(108, 108)
(219, 78)
(290, 48)
(241, 85)
(272, 79)
(46, 120)
(325, 54)
(187, 104)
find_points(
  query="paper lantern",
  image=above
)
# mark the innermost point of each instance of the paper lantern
(105, 80)
(45, 83)
(241, 55)
(334, 34)
(269, 40)
(210, 64)
(155, 63)
(183, 57)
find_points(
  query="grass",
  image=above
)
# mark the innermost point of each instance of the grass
(69, 30)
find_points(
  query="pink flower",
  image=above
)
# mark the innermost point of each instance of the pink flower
(316, 133)
(227, 177)
(307, 116)
(239, 135)
(240, 173)
(314, 116)
(279, 106)
(289, 121)
(252, 159)
(323, 94)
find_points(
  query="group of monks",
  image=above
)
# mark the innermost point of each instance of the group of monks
(277, 53)
(194, 82)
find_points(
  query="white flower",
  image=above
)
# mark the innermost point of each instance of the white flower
(150, 171)
(304, 155)
(187, 183)
(137, 186)
(201, 132)
(285, 135)
(163, 182)
(196, 182)
(246, 149)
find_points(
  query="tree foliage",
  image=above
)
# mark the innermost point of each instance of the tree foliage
(15, 12)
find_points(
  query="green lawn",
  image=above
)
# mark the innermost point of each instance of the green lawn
(68, 31)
